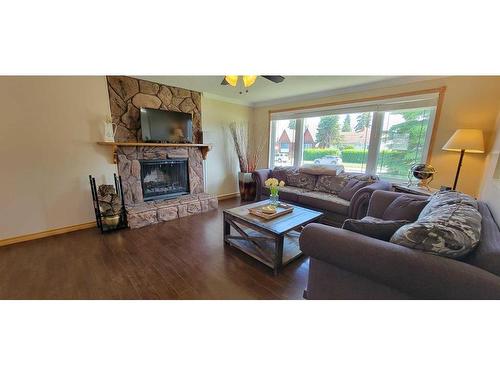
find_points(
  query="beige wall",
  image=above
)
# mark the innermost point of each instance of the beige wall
(222, 164)
(490, 192)
(50, 125)
(470, 102)
(48, 132)
(48, 135)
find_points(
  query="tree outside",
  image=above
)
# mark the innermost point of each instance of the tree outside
(346, 127)
(363, 121)
(328, 132)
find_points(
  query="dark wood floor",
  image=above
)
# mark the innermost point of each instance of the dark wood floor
(181, 259)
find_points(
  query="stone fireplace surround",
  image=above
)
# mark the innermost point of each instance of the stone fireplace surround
(126, 96)
(140, 213)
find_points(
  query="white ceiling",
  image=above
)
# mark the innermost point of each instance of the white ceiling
(265, 92)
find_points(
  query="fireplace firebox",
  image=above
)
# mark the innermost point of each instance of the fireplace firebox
(164, 179)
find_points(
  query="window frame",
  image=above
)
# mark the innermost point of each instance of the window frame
(405, 101)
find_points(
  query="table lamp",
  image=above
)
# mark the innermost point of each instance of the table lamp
(465, 140)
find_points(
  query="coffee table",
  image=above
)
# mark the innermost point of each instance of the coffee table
(273, 242)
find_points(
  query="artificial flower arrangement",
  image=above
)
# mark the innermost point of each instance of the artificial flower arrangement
(273, 184)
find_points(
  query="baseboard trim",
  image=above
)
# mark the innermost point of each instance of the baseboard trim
(73, 228)
(228, 196)
(46, 233)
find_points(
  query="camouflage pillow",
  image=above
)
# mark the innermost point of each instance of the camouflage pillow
(452, 231)
(301, 180)
(443, 198)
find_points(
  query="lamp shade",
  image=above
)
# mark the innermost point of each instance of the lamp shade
(470, 140)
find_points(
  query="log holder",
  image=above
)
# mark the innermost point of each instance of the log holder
(122, 223)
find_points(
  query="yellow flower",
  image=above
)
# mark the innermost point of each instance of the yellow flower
(271, 182)
(282, 183)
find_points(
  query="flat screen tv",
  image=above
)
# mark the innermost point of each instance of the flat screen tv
(160, 126)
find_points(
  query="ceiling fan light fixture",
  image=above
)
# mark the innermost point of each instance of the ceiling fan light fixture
(249, 80)
(232, 80)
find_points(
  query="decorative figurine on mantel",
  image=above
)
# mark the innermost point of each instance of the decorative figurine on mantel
(422, 172)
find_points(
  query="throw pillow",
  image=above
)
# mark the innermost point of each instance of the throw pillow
(443, 198)
(374, 227)
(404, 207)
(302, 180)
(352, 186)
(452, 231)
(330, 184)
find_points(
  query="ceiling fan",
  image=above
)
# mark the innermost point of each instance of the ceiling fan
(249, 80)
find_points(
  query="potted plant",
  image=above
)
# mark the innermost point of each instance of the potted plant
(247, 160)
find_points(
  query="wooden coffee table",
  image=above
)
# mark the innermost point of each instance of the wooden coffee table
(273, 242)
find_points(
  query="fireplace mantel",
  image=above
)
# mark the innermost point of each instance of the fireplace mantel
(204, 147)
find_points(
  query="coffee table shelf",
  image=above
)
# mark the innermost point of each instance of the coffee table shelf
(291, 248)
(275, 242)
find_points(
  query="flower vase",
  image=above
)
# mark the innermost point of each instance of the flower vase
(274, 198)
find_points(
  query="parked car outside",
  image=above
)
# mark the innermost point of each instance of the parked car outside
(281, 158)
(329, 159)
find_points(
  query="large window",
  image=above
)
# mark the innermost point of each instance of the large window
(385, 137)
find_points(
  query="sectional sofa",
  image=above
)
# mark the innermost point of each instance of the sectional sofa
(338, 196)
(415, 263)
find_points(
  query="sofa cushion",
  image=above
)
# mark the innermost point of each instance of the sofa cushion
(301, 180)
(334, 184)
(281, 173)
(286, 193)
(404, 207)
(451, 230)
(324, 201)
(487, 253)
(374, 227)
(352, 186)
(330, 184)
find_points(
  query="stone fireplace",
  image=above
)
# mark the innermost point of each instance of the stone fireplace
(163, 179)
(160, 182)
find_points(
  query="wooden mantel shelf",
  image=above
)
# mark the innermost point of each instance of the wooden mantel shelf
(204, 147)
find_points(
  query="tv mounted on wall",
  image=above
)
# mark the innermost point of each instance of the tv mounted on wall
(159, 126)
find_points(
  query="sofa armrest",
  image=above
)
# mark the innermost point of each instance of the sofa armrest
(260, 176)
(381, 199)
(360, 200)
(413, 272)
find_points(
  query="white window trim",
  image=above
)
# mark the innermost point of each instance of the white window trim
(378, 107)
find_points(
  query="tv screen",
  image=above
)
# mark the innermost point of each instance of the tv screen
(166, 126)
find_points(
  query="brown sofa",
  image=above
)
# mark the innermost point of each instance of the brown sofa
(348, 265)
(331, 195)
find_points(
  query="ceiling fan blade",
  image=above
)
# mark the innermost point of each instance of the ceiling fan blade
(275, 79)
(224, 82)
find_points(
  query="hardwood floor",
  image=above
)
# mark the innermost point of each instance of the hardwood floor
(181, 259)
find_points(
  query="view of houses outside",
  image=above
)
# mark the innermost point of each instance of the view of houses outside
(347, 137)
